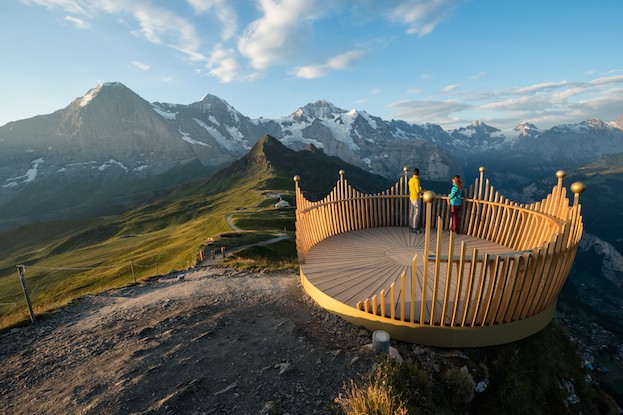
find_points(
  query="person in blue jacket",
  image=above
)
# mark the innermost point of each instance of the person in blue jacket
(454, 199)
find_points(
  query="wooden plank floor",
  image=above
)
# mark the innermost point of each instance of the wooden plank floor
(353, 266)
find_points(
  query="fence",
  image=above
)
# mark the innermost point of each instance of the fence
(46, 287)
(467, 289)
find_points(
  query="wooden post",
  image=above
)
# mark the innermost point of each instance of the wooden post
(213, 254)
(201, 254)
(223, 251)
(20, 270)
(133, 275)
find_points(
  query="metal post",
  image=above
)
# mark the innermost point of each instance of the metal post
(20, 270)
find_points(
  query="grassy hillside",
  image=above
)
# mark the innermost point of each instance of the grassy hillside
(166, 233)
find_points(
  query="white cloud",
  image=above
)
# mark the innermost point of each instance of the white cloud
(339, 62)
(422, 16)
(79, 23)
(156, 24)
(223, 64)
(277, 35)
(451, 88)
(414, 91)
(420, 111)
(224, 12)
(375, 91)
(140, 65)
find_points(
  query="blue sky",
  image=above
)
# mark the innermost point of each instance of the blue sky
(447, 62)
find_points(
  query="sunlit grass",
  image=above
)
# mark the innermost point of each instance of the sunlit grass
(155, 239)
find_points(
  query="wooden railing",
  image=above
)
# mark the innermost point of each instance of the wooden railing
(479, 288)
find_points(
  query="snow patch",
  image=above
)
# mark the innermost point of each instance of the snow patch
(228, 144)
(186, 137)
(31, 174)
(164, 113)
(367, 161)
(110, 163)
(140, 168)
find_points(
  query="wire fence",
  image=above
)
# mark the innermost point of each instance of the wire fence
(41, 288)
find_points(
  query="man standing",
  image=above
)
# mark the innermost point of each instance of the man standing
(415, 192)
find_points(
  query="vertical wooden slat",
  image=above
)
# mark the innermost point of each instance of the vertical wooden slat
(481, 284)
(490, 290)
(366, 305)
(446, 292)
(392, 301)
(413, 286)
(436, 280)
(402, 296)
(500, 290)
(468, 295)
(382, 301)
(459, 283)
(374, 305)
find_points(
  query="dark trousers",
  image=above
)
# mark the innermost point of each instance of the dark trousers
(455, 226)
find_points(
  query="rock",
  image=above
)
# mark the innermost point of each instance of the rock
(269, 408)
(481, 386)
(284, 367)
(418, 350)
(395, 354)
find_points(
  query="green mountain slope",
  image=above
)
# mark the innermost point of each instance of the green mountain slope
(165, 233)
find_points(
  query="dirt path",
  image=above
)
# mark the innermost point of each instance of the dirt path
(231, 224)
(211, 341)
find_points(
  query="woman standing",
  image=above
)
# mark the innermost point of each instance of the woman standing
(454, 198)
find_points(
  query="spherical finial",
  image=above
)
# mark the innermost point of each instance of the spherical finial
(297, 178)
(561, 174)
(429, 196)
(405, 169)
(341, 172)
(482, 169)
(578, 187)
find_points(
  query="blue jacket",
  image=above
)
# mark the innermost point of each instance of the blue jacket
(455, 195)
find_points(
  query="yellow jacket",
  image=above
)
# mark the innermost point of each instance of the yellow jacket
(414, 188)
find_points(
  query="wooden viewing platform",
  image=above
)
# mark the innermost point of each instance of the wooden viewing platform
(495, 282)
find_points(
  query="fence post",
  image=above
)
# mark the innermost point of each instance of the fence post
(223, 251)
(132, 268)
(20, 270)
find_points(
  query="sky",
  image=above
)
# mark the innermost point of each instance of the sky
(447, 62)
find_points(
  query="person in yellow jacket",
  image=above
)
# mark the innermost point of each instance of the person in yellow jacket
(415, 193)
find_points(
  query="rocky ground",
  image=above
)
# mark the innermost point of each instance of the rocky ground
(210, 341)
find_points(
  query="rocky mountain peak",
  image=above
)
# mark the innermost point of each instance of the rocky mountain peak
(527, 129)
(319, 109)
(595, 123)
(477, 127)
(211, 104)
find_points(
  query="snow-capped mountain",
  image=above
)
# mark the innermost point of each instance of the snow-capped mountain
(382, 147)
(112, 136)
(526, 129)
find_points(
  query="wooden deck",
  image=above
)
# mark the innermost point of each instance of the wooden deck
(357, 265)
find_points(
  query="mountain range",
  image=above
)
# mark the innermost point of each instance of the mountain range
(110, 145)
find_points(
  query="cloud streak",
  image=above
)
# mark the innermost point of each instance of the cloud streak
(338, 62)
(422, 16)
(79, 23)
